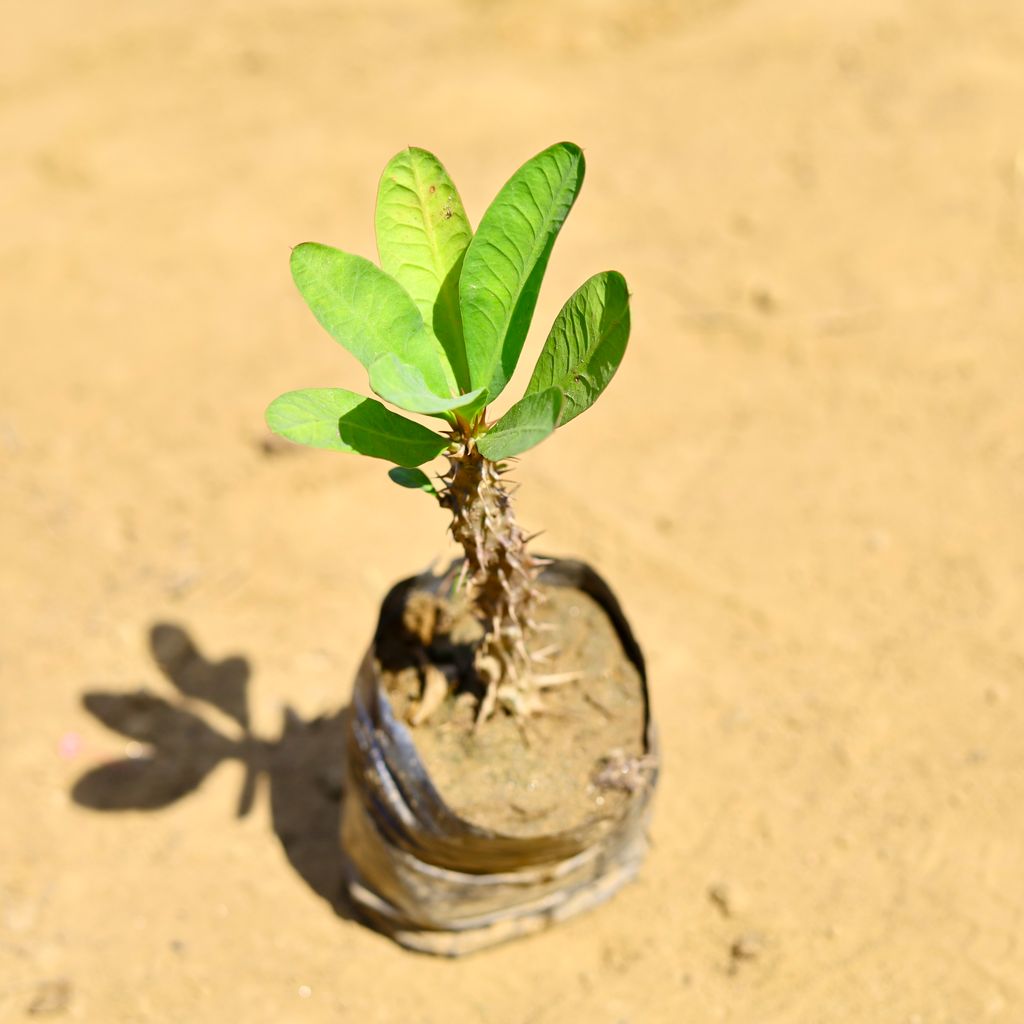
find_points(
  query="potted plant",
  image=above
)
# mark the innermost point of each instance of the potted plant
(500, 752)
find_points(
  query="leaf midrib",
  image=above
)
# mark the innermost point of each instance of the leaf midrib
(540, 242)
(384, 434)
(461, 372)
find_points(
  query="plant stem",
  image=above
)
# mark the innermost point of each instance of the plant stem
(502, 574)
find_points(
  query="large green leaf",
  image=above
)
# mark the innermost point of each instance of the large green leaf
(346, 422)
(586, 344)
(524, 425)
(403, 385)
(505, 262)
(369, 312)
(422, 234)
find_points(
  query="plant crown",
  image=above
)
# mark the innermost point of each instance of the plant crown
(440, 324)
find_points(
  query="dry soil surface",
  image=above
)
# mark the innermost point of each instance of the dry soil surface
(806, 485)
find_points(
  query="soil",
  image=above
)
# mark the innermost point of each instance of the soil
(805, 484)
(554, 770)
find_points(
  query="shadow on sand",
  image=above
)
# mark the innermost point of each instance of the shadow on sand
(178, 749)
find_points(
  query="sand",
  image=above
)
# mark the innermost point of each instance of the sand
(805, 485)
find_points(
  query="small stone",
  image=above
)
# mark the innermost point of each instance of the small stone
(51, 998)
(748, 946)
(723, 897)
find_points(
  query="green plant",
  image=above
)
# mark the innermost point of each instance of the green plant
(439, 326)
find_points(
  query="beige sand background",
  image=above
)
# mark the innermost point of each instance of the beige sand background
(806, 484)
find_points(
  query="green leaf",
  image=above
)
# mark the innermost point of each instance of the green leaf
(343, 421)
(403, 385)
(505, 262)
(422, 234)
(586, 344)
(525, 424)
(415, 479)
(369, 313)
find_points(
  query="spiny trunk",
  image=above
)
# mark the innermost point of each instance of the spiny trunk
(501, 573)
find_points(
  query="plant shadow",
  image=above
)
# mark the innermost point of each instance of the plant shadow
(173, 749)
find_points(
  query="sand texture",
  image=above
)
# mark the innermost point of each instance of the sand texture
(806, 486)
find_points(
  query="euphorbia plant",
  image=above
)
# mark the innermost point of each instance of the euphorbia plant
(439, 326)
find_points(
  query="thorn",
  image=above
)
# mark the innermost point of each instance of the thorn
(521, 650)
(486, 708)
(545, 653)
(556, 679)
(514, 560)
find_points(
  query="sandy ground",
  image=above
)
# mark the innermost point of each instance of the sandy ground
(806, 484)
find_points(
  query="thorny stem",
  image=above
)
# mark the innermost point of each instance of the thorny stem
(501, 573)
